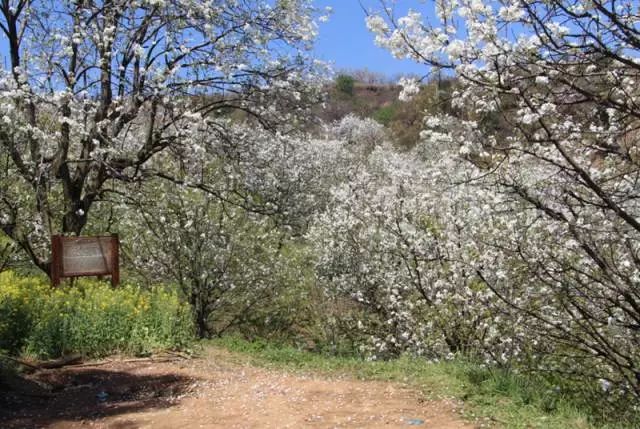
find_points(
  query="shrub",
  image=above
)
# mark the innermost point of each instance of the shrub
(345, 84)
(89, 318)
(385, 115)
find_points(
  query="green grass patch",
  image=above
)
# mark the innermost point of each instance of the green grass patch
(493, 397)
(88, 317)
(385, 114)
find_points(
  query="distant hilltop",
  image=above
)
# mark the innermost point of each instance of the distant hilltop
(369, 95)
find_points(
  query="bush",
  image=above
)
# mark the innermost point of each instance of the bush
(345, 84)
(89, 318)
(385, 115)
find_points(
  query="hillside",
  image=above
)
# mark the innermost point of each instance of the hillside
(380, 101)
(366, 100)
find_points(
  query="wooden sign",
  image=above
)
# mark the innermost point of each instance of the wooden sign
(85, 256)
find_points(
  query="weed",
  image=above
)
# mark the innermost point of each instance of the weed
(89, 318)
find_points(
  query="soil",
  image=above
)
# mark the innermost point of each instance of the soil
(215, 391)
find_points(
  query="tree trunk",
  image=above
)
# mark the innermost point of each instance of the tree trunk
(200, 314)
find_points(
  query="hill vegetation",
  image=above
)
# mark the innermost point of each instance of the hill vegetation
(378, 99)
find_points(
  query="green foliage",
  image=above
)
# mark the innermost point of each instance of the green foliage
(345, 84)
(385, 114)
(237, 271)
(7, 250)
(88, 317)
(490, 394)
(290, 310)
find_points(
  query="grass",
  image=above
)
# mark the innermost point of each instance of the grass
(490, 397)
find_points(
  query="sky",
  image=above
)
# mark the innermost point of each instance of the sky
(344, 40)
(347, 44)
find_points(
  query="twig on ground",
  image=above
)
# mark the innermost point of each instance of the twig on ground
(18, 361)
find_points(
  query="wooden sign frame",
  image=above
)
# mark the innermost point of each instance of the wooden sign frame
(60, 245)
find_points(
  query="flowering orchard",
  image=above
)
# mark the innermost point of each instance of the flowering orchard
(554, 237)
(509, 232)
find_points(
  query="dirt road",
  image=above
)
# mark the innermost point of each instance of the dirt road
(216, 391)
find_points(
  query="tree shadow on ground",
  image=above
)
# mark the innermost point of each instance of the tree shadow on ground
(86, 394)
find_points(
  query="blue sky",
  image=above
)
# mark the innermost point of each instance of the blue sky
(346, 42)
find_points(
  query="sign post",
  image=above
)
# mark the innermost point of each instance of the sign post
(85, 256)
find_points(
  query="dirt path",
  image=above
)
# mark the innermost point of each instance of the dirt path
(216, 392)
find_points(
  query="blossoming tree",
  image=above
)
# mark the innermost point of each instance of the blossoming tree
(97, 89)
(561, 76)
